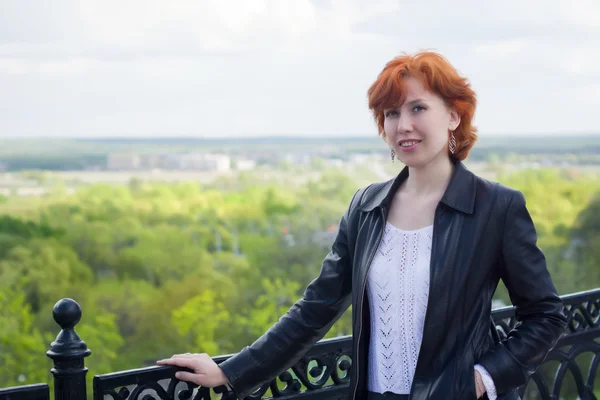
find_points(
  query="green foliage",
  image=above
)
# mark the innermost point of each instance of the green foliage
(45, 270)
(20, 342)
(101, 335)
(555, 200)
(583, 247)
(276, 298)
(198, 321)
(14, 231)
(170, 268)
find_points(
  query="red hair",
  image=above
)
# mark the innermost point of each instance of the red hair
(438, 76)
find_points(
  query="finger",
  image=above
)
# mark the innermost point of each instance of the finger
(179, 361)
(174, 356)
(189, 377)
(185, 355)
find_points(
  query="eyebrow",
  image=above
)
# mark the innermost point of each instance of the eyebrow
(417, 100)
(410, 103)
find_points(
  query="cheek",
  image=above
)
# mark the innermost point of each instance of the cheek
(435, 130)
(389, 127)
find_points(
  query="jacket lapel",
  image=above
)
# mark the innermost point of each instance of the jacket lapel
(447, 274)
(459, 195)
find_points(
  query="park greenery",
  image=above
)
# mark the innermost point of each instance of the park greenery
(164, 268)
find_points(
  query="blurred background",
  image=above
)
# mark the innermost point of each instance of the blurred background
(180, 168)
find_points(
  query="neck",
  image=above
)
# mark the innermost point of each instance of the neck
(430, 178)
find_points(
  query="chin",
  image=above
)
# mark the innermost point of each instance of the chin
(420, 160)
(413, 162)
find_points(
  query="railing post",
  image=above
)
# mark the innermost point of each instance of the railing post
(68, 352)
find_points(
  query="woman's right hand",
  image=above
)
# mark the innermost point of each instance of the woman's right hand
(205, 371)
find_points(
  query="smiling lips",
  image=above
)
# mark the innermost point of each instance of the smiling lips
(409, 144)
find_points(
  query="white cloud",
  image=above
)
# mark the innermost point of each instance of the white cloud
(12, 66)
(224, 67)
(205, 25)
(504, 48)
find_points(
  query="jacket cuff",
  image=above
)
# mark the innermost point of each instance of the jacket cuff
(506, 371)
(230, 367)
(488, 382)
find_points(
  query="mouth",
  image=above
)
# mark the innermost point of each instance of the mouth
(409, 144)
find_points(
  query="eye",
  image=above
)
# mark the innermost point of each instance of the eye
(391, 113)
(418, 108)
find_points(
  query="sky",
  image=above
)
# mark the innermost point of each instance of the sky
(219, 68)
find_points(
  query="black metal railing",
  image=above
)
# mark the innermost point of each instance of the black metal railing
(323, 373)
(40, 391)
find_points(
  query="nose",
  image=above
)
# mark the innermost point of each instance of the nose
(404, 123)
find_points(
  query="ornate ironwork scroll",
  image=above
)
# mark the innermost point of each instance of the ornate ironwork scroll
(579, 342)
(324, 372)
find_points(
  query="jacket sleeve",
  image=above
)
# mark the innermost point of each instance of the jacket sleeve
(307, 321)
(538, 309)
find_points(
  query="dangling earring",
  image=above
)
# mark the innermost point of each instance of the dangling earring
(452, 144)
(393, 154)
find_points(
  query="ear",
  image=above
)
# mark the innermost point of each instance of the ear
(454, 119)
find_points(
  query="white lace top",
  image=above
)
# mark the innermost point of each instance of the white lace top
(398, 289)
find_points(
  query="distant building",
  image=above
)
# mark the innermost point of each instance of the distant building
(186, 161)
(244, 165)
(123, 161)
(154, 161)
(304, 158)
(204, 162)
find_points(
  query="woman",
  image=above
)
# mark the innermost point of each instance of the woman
(419, 258)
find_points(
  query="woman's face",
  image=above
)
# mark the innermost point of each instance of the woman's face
(419, 129)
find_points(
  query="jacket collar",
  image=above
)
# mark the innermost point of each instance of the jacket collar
(460, 193)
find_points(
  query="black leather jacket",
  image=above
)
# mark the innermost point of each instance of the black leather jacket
(482, 233)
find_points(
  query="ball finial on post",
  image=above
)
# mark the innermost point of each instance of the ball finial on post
(68, 352)
(66, 313)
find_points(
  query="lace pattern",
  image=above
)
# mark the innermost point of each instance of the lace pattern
(398, 289)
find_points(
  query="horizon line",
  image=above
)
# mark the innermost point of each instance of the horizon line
(276, 137)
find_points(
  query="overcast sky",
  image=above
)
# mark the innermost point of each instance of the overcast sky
(216, 68)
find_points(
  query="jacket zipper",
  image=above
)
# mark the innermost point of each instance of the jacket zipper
(362, 295)
(435, 216)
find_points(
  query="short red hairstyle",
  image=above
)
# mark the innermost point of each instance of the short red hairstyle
(437, 75)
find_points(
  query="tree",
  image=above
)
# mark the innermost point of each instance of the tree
(46, 270)
(101, 334)
(584, 246)
(20, 342)
(198, 321)
(277, 298)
